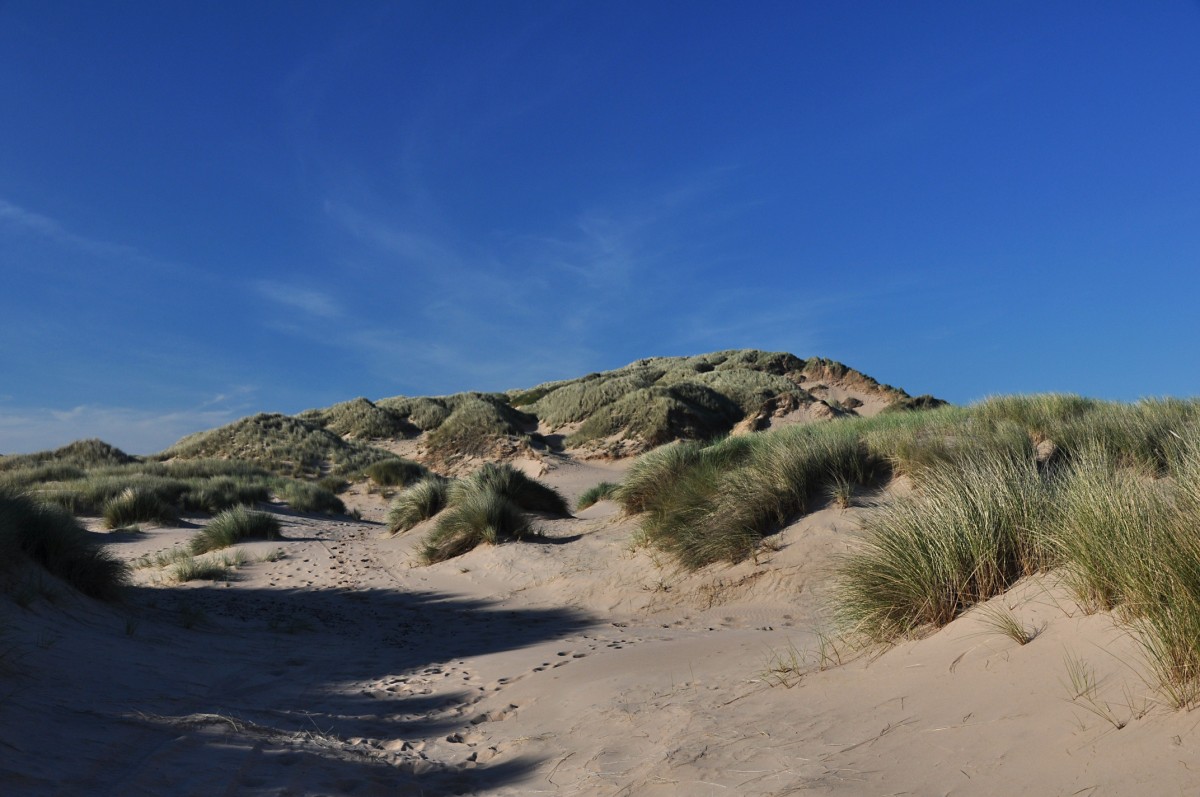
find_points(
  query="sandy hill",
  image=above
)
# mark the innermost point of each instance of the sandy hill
(611, 414)
(992, 599)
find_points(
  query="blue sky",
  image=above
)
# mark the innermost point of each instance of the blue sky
(214, 209)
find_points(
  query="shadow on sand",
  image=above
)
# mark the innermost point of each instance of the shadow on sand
(278, 691)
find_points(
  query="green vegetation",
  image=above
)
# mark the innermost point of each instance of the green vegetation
(488, 506)
(661, 399)
(505, 480)
(281, 444)
(53, 539)
(416, 503)
(81, 454)
(600, 492)
(232, 526)
(474, 518)
(361, 419)
(396, 472)
(1105, 494)
(134, 505)
(714, 503)
(464, 424)
(966, 535)
(158, 491)
(189, 568)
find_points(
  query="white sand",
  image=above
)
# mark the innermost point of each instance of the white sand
(571, 666)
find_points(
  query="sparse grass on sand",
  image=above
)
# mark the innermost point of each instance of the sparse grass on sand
(213, 568)
(232, 526)
(52, 538)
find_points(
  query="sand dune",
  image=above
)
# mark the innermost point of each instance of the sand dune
(575, 664)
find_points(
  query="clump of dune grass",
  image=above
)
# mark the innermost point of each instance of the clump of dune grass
(232, 526)
(134, 506)
(308, 497)
(417, 503)
(476, 517)
(1129, 544)
(600, 492)
(396, 472)
(489, 506)
(509, 482)
(967, 534)
(705, 504)
(52, 538)
(648, 479)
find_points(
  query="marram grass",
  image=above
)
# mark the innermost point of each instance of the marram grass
(50, 537)
(489, 506)
(417, 503)
(232, 526)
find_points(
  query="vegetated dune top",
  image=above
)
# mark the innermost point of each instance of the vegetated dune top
(613, 413)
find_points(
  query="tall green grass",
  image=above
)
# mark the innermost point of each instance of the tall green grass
(489, 506)
(505, 480)
(599, 492)
(1131, 543)
(417, 503)
(476, 517)
(396, 472)
(52, 538)
(705, 504)
(970, 531)
(232, 526)
(134, 506)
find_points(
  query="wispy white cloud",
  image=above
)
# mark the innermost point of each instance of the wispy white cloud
(309, 301)
(20, 220)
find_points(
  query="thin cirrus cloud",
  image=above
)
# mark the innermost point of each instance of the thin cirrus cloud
(20, 221)
(294, 297)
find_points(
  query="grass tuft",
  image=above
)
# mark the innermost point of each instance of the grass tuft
(232, 526)
(54, 539)
(419, 502)
(477, 517)
(134, 506)
(600, 492)
(396, 472)
(965, 536)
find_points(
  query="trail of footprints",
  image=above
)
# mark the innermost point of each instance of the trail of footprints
(445, 678)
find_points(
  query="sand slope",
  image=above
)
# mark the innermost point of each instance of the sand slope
(574, 665)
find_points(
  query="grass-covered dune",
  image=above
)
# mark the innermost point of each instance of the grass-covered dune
(1105, 495)
(657, 400)
(361, 419)
(136, 490)
(280, 443)
(470, 424)
(626, 410)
